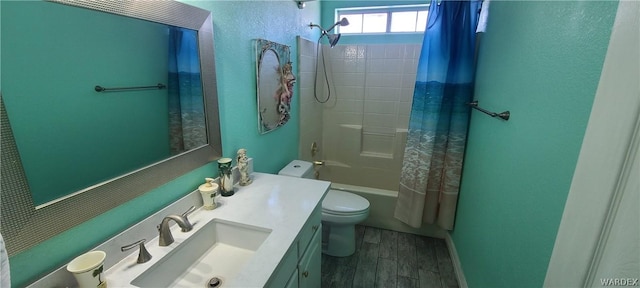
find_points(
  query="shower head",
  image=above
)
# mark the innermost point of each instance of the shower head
(333, 39)
(342, 22)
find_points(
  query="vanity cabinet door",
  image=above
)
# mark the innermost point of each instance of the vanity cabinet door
(287, 270)
(309, 266)
(293, 281)
(301, 265)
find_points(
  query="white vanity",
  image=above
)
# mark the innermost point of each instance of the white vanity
(266, 235)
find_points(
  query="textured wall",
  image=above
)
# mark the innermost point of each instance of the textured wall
(542, 61)
(235, 23)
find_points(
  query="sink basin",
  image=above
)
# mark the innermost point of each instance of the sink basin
(220, 249)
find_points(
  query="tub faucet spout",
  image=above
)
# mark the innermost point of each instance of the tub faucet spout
(165, 233)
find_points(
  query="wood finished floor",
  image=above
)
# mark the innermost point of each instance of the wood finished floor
(385, 258)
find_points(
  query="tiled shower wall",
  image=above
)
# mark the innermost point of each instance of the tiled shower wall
(374, 86)
(364, 122)
(310, 109)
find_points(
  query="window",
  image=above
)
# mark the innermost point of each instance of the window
(388, 19)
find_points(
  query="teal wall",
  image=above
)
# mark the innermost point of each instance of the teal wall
(236, 23)
(36, 94)
(328, 18)
(541, 60)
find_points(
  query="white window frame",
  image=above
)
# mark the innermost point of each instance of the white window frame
(376, 10)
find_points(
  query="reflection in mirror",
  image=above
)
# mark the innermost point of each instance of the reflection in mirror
(61, 136)
(97, 136)
(275, 84)
(186, 106)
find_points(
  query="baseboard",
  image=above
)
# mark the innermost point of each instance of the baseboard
(455, 260)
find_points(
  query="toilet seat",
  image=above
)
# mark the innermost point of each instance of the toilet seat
(343, 213)
(344, 203)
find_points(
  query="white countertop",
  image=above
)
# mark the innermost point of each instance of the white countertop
(282, 204)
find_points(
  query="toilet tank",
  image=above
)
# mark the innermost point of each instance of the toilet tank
(298, 168)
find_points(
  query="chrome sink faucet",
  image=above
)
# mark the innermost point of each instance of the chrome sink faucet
(165, 233)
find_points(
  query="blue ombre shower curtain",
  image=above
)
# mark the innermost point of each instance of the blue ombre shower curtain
(187, 128)
(432, 162)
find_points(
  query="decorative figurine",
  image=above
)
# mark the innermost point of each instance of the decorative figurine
(243, 167)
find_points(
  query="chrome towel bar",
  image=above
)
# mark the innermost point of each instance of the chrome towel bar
(103, 89)
(502, 115)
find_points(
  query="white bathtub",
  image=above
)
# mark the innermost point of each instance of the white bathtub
(382, 205)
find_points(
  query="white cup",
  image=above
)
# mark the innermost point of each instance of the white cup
(87, 269)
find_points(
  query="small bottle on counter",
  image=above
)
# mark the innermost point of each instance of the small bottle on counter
(209, 190)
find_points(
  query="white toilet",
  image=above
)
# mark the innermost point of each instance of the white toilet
(341, 211)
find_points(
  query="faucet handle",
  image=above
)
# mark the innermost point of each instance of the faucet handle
(188, 227)
(143, 255)
(191, 209)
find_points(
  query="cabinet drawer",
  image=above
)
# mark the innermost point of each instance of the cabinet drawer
(307, 232)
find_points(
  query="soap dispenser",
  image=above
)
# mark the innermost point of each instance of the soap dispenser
(209, 191)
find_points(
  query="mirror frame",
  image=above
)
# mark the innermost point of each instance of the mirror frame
(23, 226)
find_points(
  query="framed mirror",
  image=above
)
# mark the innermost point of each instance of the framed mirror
(275, 82)
(157, 120)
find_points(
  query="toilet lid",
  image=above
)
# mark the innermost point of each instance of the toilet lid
(343, 202)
